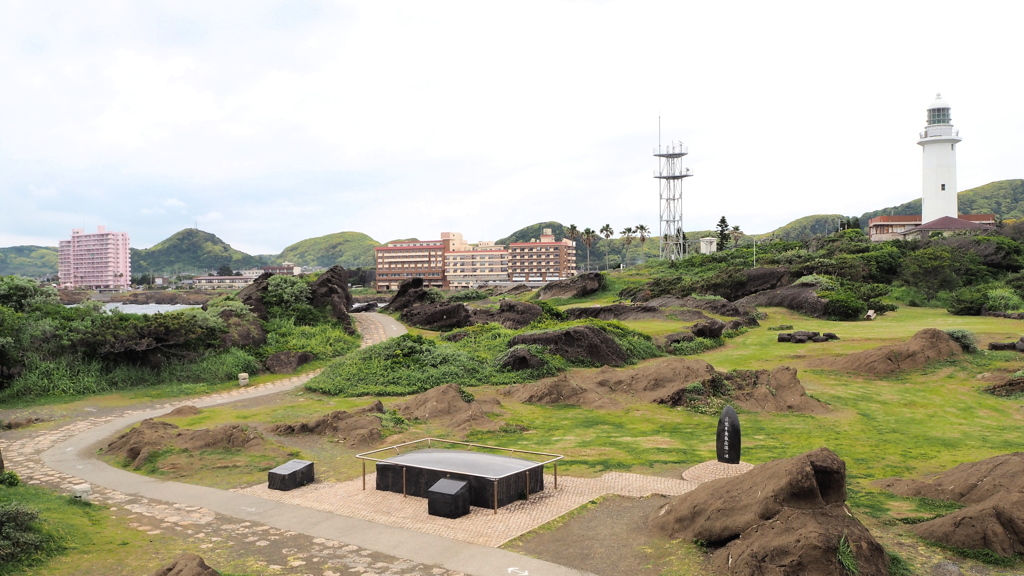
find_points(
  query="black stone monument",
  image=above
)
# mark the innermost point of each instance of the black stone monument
(448, 498)
(290, 475)
(727, 441)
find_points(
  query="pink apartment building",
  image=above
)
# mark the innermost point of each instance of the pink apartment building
(100, 261)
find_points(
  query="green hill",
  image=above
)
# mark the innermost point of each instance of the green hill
(28, 261)
(192, 251)
(1004, 198)
(534, 231)
(805, 227)
(348, 249)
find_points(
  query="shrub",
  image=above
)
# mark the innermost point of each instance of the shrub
(844, 306)
(9, 479)
(780, 327)
(1003, 300)
(968, 301)
(822, 282)
(696, 346)
(965, 338)
(21, 537)
(467, 296)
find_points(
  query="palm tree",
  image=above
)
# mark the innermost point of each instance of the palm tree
(607, 232)
(627, 239)
(572, 232)
(643, 232)
(588, 236)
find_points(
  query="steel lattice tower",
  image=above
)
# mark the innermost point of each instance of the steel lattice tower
(671, 174)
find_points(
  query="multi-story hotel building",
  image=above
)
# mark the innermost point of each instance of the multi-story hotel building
(222, 282)
(402, 260)
(484, 263)
(543, 260)
(100, 261)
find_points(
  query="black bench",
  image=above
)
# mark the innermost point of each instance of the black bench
(290, 475)
(448, 498)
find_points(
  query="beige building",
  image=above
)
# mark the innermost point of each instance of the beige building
(221, 282)
(541, 260)
(400, 261)
(474, 265)
(882, 228)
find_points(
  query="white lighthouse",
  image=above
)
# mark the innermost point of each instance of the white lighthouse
(939, 141)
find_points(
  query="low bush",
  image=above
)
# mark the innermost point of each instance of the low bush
(696, 346)
(22, 538)
(780, 327)
(9, 479)
(843, 306)
(1003, 300)
(467, 296)
(965, 338)
(968, 301)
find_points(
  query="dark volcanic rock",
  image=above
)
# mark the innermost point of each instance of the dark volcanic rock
(287, 361)
(1009, 388)
(783, 517)
(364, 307)
(252, 295)
(801, 298)
(615, 312)
(331, 289)
(521, 359)
(440, 316)
(242, 331)
(511, 314)
(708, 329)
(575, 287)
(579, 343)
(678, 337)
(187, 565)
(757, 280)
(403, 299)
(1002, 345)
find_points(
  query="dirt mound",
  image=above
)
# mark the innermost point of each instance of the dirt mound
(22, 422)
(562, 389)
(511, 314)
(137, 443)
(672, 381)
(578, 343)
(187, 565)
(776, 391)
(575, 287)
(357, 429)
(252, 295)
(1009, 388)
(410, 293)
(710, 328)
(440, 316)
(800, 298)
(783, 517)
(445, 404)
(926, 346)
(616, 312)
(182, 412)
(992, 489)
(286, 361)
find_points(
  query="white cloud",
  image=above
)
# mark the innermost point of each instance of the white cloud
(407, 118)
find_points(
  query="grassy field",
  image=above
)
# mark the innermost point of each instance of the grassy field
(909, 424)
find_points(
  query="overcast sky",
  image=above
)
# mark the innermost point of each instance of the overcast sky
(270, 122)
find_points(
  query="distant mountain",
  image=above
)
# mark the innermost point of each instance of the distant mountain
(191, 251)
(28, 261)
(1004, 198)
(348, 249)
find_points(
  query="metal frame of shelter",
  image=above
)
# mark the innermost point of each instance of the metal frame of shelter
(554, 458)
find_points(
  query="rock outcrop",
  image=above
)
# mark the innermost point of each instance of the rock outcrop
(137, 443)
(331, 289)
(446, 405)
(802, 298)
(511, 314)
(439, 316)
(587, 344)
(576, 287)
(356, 429)
(287, 361)
(242, 331)
(252, 295)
